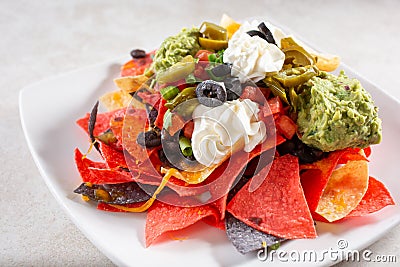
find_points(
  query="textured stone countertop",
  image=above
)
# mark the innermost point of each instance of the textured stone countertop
(41, 39)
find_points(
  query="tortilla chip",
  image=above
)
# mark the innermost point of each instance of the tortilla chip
(316, 177)
(98, 173)
(278, 207)
(376, 198)
(127, 129)
(117, 194)
(367, 151)
(163, 218)
(345, 189)
(115, 100)
(238, 159)
(326, 62)
(221, 180)
(102, 121)
(245, 238)
(105, 207)
(217, 224)
(352, 154)
(137, 66)
(336, 201)
(114, 158)
(130, 84)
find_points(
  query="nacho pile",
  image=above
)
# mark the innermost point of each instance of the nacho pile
(264, 184)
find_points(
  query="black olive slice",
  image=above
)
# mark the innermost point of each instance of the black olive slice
(257, 33)
(138, 53)
(173, 156)
(268, 34)
(151, 138)
(210, 93)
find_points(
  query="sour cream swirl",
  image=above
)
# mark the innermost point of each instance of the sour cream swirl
(225, 129)
(253, 57)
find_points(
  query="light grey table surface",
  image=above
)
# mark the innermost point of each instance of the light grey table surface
(40, 39)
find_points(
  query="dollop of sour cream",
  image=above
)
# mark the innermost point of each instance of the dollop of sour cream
(222, 130)
(253, 57)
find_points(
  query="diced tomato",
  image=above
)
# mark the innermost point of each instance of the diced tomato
(177, 124)
(159, 122)
(200, 71)
(286, 126)
(151, 99)
(275, 104)
(202, 55)
(274, 107)
(188, 129)
(265, 91)
(254, 94)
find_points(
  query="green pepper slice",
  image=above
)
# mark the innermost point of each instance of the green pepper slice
(276, 88)
(185, 94)
(185, 146)
(177, 71)
(296, 76)
(296, 54)
(213, 31)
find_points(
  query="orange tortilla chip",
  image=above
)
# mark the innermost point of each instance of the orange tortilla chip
(346, 187)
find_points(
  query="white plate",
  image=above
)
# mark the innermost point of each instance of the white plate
(48, 112)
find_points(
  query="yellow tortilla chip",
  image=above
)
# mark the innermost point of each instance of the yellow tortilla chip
(119, 99)
(130, 84)
(344, 191)
(199, 176)
(327, 62)
(229, 24)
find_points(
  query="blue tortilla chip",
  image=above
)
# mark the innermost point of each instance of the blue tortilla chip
(245, 238)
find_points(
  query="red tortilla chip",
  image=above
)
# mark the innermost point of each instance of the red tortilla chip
(221, 179)
(315, 178)
(217, 224)
(352, 154)
(137, 66)
(113, 157)
(102, 121)
(98, 173)
(110, 176)
(83, 165)
(367, 151)
(376, 198)
(163, 218)
(278, 207)
(106, 207)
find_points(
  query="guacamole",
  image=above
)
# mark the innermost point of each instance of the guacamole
(174, 48)
(335, 112)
